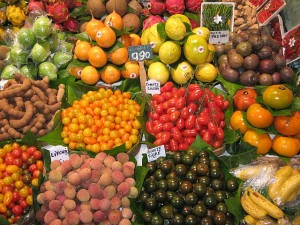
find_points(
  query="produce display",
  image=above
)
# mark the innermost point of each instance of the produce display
(120, 112)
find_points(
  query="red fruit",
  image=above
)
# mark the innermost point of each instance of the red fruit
(157, 7)
(71, 25)
(193, 6)
(58, 26)
(51, 2)
(175, 6)
(59, 12)
(194, 23)
(70, 3)
(152, 20)
(36, 6)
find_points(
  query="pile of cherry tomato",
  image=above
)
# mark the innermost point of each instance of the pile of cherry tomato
(177, 115)
(20, 168)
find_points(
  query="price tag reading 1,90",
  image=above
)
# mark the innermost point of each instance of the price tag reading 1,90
(155, 153)
(140, 52)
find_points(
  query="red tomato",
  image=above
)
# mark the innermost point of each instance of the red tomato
(157, 128)
(171, 109)
(17, 210)
(183, 146)
(189, 140)
(172, 102)
(18, 162)
(164, 118)
(181, 92)
(173, 145)
(174, 116)
(168, 126)
(180, 103)
(193, 87)
(166, 105)
(158, 142)
(176, 134)
(184, 113)
(192, 107)
(220, 133)
(167, 87)
(149, 127)
(37, 154)
(25, 156)
(189, 133)
(203, 119)
(244, 97)
(16, 196)
(9, 159)
(190, 122)
(36, 173)
(195, 95)
(31, 149)
(180, 123)
(23, 203)
(165, 137)
(17, 152)
(32, 168)
(166, 95)
(159, 108)
(212, 128)
(217, 143)
(207, 137)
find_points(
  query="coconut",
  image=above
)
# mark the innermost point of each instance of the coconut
(136, 7)
(131, 20)
(96, 8)
(120, 6)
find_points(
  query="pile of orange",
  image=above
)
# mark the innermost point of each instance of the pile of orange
(99, 56)
(101, 120)
(285, 143)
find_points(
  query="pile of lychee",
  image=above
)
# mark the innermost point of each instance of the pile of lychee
(86, 190)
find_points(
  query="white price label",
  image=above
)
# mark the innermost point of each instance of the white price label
(2, 83)
(152, 87)
(219, 37)
(58, 152)
(155, 153)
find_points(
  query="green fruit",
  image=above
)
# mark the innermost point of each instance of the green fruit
(29, 70)
(195, 49)
(175, 28)
(53, 41)
(48, 69)
(42, 27)
(66, 46)
(40, 52)
(18, 56)
(159, 72)
(9, 72)
(183, 73)
(169, 52)
(26, 38)
(62, 59)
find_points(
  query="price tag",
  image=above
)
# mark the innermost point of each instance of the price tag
(219, 37)
(140, 52)
(58, 152)
(152, 87)
(2, 83)
(155, 153)
(144, 2)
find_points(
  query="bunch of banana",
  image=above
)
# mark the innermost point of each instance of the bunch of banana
(257, 206)
(285, 186)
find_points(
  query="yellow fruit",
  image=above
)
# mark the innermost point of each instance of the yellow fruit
(144, 37)
(211, 54)
(15, 15)
(89, 75)
(195, 49)
(206, 72)
(159, 72)
(175, 28)
(154, 38)
(169, 52)
(202, 32)
(183, 73)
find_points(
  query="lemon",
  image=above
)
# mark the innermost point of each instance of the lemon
(211, 54)
(202, 32)
(206, 72)
(144, 37)
(154, 39)
(175, 28)
(183, 18)
(195, 49)
(183, 73)
(159, 72)
(169, 52)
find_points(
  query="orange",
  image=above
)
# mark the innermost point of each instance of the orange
(89, 75)
(119, 56)
(97, 57)
(106, 37)
(288, 125)
(125, 39)
(286, 146)
(81, 50)
(114, 20)
(262, 142)
(110, 74)
(92, 28)
(131, 70)
(135, 39)
(258, 116)
(297, 136)
(237, 122)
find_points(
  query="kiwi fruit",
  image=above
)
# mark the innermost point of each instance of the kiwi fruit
(235, 60)
(131, 20)
(96, 8)
(3, 52)
(119, 6)
(244, 48)
(136, 7)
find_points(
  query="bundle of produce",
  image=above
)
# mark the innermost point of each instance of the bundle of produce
(21, 166)
(85, 190)
(28, 105)
(187, 187)
(38, 51)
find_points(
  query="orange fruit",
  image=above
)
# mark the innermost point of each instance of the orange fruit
(237, 122)
(131, 70)
(110, 74)
(288, 125)
(92, 28)
(114, 20)
(97, 57)
(135, 39)
(106, 37)
(286, 146)
(262, 142)
(89, 75)
(258, 116)
(82, 49)
(119, 56)
(125, 39)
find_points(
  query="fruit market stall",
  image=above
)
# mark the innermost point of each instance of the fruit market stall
(149, 112)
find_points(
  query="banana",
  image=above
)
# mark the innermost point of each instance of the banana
(294, 195)
(249, 220)
(264, 203)
(280, 176)
(288, 188)
(251, 208)
(248, 172)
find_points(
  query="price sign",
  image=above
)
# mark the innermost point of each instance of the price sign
(140, 52)
(152, 87)
(2, 83)
(219, 37)
(58, 152)
(155, 153)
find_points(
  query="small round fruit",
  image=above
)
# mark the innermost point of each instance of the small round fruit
(183, 73)
(278, 96)
(206, 72)
(262, 142)
(89, 75)
(159, 72)
(258, 116)
(286, 146)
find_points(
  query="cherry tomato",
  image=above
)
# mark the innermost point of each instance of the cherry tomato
(37, 154)
(181, 92)
(158, 135)
(167, 87)
(157, 98)
(149, 127)
(16, 196)
(17, 152)
(193, 87)
(189, 133)
(32, 168)
(173, 145)
(171, 109)
(168, 126)
(165, 137)
(164, 118)
(212, 128)
(180, 123)
(166, 95)
(219, 100)
(198, 126)
(278, 96)
(166, 105)
(159, 108)
(207, 137)
(31, 149)
(25, 156)
(176, 134)
(172, 102)
(190, 122)
(180, 103)
(158, 142)
(217, 143)
(36, 173)
(189, 140)
(174, 116)
(183, 146)
(192, 107)
(195, 95)
(203, 119)
(184, 113)
(23, 203)
(157, 128)
(18, 162)
(244, 97)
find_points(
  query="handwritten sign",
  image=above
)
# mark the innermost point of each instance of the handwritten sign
(152, 87)
(219, 37)
(2, 83)
(155, 153)
(140, 52)
(58, 152)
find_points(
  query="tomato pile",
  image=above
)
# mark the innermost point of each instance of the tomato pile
(177, 115)
(20, 168)
(101, 120)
